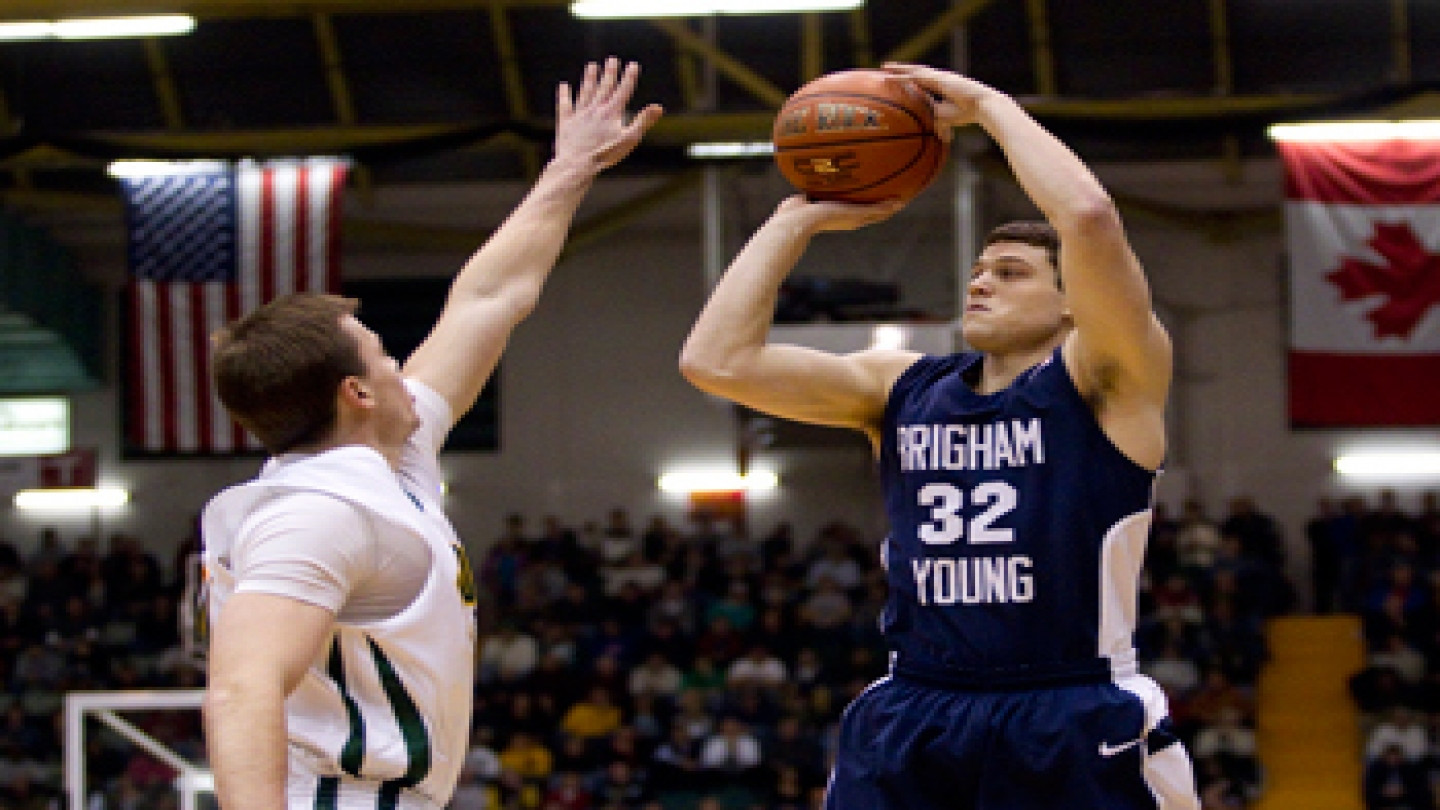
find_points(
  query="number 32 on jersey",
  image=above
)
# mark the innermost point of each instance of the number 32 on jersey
(956, 515)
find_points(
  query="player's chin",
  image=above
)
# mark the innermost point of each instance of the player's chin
(978, 334)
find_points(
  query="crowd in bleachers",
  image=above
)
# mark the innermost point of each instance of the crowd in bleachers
(74, 618)
(1210, 584)
(625, 666)
(1383, 564)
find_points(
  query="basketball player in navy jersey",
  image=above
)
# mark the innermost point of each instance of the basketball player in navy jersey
(1017, 479)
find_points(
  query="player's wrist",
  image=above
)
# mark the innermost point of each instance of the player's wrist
(577, 169)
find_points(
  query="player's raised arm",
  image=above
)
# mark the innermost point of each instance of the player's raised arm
(501, 282)
(1118, 351)
(728, 353)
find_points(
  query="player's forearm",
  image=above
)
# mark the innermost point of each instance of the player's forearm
(736, 320)
(515, 261)
(1058, 182)
(246, 743)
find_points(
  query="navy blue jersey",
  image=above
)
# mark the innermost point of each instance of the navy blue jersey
(1017, 530)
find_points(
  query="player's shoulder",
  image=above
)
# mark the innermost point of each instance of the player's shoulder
(311, 511)
(886, 365)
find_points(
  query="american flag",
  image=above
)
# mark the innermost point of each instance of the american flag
(208, 243)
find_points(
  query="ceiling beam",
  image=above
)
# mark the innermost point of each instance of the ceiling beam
(512, 80)
(1400, 39)
(1041, 50)
(1220, 48)
(164, 82)
(936, 31)
(864, 52)
(732, 68)
(341, 99)
(1230, 156)
(812, 47)
(671, 130)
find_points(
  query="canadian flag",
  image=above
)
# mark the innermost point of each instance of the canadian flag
(1362, 221)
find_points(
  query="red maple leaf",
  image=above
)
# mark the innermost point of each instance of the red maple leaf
(1409, 280)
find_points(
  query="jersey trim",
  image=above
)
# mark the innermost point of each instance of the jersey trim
(352, 754)
(327, 793)
(407, 715)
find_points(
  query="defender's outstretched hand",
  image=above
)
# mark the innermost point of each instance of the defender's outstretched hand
(591, 126)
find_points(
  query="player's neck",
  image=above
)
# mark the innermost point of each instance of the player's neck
(356, 438)
(999, 369)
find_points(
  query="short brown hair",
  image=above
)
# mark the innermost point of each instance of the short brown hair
(1034, 232)
(278, 368)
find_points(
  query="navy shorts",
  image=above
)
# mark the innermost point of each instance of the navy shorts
(1104, 746)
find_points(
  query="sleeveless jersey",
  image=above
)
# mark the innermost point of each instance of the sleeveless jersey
(382, 717)
(1017, 531)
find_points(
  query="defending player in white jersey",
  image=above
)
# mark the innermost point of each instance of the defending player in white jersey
(342, 647)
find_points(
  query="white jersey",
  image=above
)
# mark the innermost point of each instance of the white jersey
(382, 717)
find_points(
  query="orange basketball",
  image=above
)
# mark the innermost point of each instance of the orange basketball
(858, 136)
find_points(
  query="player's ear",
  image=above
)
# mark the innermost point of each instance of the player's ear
(357, 393)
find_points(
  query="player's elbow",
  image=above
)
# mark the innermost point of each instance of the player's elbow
(696, 367)
(705, 367)
(1094, 215)
(519, 299)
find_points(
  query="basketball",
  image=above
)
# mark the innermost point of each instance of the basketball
(858, 136)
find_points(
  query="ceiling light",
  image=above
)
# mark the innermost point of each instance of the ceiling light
(1332, 131)
(18, 31)
(154, 25)
(150, 25)
(629, 9)
(716, 481)
(889, 336)
(62, 499)
(1389, 465)
(730, 149)
(163, 168)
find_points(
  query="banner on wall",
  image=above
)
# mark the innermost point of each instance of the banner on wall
(1362, 221)
(207, 243)
(74, 468)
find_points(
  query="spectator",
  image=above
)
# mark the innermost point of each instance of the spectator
(720, 642)
(675, 763)
(758, 668)
(674, 605)
(1231, 742)
(617, 540)
(836, 565)
(645, 575)
(657, 677)
(1392, 782)
(527, 757)
(1197, 540)
(731, 755)
(735, 607)
(568, 792)
(1259, 533)
(621, 787)
(509, 656)
(1397, 654)
(793, 746)
(593, 717)
(1401, 727)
